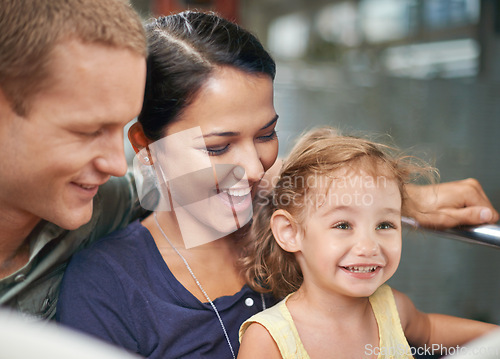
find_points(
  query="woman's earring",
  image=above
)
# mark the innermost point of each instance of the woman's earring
(146, 159)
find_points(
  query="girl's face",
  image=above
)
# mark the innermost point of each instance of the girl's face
(229, 129)
(351, 241)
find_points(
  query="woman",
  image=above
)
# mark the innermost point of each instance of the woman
(163, 287)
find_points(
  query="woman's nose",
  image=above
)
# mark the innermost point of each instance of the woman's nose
(252, 165)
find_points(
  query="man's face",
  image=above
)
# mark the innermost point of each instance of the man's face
(71, 140)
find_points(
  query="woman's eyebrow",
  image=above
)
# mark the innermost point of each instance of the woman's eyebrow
(230, 133)
(270, 123)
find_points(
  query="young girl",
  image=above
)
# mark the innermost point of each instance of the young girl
(328, 239)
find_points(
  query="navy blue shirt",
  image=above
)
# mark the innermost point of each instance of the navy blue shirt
(121, 290)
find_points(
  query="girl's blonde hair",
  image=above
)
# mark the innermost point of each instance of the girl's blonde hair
(318, 153)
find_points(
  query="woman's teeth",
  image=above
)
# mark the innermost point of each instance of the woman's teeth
(359, 269)
(237, 192)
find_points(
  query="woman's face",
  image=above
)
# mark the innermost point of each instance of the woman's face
(229, 129)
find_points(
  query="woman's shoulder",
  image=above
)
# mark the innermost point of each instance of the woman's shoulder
(127, 257)
(130, 235)
(118, 245)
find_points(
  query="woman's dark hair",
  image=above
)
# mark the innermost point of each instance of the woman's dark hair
(184, 50)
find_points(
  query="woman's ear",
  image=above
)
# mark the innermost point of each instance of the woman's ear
(140, 143)
(286, 231)
(137, 137)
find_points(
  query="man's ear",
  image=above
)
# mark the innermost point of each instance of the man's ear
(286, 231)
(137, 137)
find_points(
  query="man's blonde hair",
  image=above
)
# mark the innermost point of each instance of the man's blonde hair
(30, 30)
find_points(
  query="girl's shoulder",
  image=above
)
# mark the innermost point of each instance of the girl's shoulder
(274, 325)
(278, 314)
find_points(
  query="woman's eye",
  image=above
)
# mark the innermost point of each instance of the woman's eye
(217, 151)
(342, 225)
(386, 225)
(271, 136)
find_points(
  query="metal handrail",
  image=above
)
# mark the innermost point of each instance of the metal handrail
(486, 234)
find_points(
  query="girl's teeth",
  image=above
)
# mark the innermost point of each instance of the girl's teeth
(358, 269)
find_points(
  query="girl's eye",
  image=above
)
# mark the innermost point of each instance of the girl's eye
(386, 225)
(342, 225)
(216, 151)
(269, 137)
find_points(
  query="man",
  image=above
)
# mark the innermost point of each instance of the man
(72, 74)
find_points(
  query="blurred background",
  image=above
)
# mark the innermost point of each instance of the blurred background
(427, 72)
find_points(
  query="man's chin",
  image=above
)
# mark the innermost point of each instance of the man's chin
(75, 218)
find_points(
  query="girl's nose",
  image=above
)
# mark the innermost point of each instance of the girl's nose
(367, 246)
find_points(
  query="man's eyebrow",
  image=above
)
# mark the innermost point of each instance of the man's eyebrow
(230, 133)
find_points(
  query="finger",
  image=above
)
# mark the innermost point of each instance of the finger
(496, 217)
(478, 198)
(473, 194)
(435, 220)
(473, 215)
(448, 218)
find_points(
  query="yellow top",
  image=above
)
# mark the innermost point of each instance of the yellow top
(393, 344)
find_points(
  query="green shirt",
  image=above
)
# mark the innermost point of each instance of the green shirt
(34, 288)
